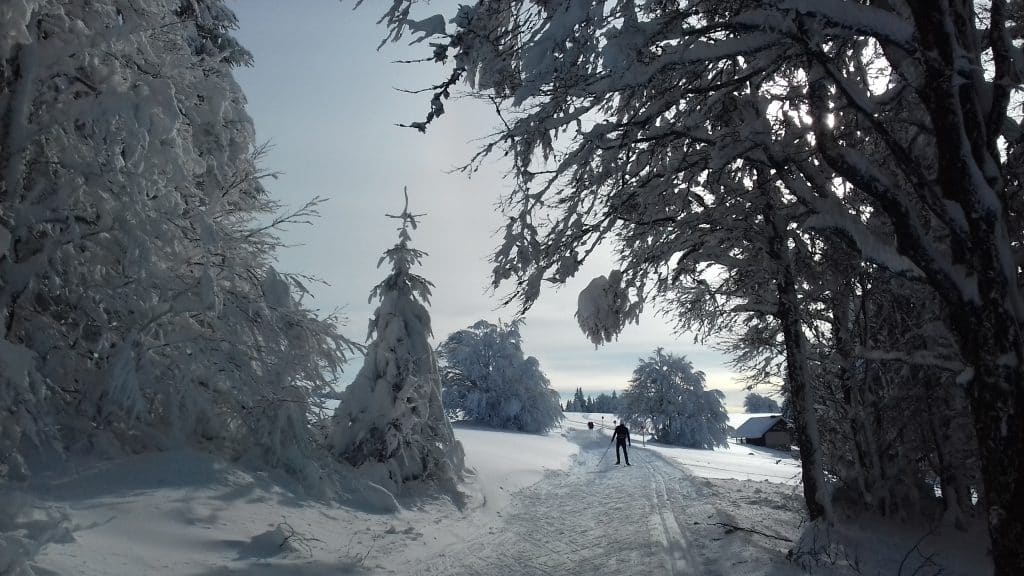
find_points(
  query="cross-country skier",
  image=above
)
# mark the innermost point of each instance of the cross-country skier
(621, 436)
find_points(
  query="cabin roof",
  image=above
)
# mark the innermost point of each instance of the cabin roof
(757, 426)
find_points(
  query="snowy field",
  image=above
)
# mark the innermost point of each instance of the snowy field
(553, 504)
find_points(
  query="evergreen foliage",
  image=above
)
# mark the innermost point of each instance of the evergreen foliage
(579, 401)
(391, 422)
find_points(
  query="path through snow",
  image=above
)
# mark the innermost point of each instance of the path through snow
(650, 518)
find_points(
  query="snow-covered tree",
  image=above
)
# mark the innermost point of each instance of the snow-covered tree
(579, 401)
(391, 422)
(668, 396)
(139, 304)
(757, 403)
(890, 427)
(606, 403)
(486, 379)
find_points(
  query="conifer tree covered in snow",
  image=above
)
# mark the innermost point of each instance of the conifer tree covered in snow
(579, 401)
(486, 379)
(668, 397)
(391, 423)
(788, 133)
(139, 305)
(755, 403)
(570, 406)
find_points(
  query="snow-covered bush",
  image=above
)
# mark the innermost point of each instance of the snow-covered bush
(486, 379)
(391, 422)
(666, 393)
(755, 403)
(139, 306)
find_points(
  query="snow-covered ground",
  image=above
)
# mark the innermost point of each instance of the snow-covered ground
(187, 513)
(553, 505)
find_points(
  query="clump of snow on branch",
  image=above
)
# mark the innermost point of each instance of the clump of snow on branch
(604, 308)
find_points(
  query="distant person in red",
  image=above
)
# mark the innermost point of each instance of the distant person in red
(621, 436)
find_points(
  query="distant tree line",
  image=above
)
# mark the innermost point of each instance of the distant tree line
(602, 403)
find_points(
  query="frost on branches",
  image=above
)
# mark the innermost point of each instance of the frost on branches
(139, 306)
(391, 423)
(668, 397)
(487, 380)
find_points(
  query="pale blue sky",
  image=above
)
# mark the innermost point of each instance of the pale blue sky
(324, 96)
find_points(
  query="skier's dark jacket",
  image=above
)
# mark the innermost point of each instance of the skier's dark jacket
(622, 434)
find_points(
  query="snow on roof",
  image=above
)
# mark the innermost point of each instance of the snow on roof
(756, 427)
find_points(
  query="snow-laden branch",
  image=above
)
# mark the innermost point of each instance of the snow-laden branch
(918, 358)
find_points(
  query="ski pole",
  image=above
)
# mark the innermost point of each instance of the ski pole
(606, 450)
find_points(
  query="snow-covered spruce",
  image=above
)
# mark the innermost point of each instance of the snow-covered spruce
(140, 308)
(578, 403)
(668, 397)
(487, 380)
(391, 422)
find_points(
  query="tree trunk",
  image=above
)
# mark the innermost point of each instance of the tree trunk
(990, 340)
(862, 438)
(800, 387)
(966, 113)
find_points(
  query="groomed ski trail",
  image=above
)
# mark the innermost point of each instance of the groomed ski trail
(648, 518)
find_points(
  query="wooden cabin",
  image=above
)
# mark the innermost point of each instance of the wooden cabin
(768, 431)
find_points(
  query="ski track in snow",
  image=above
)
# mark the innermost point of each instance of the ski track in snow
(649, 518)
